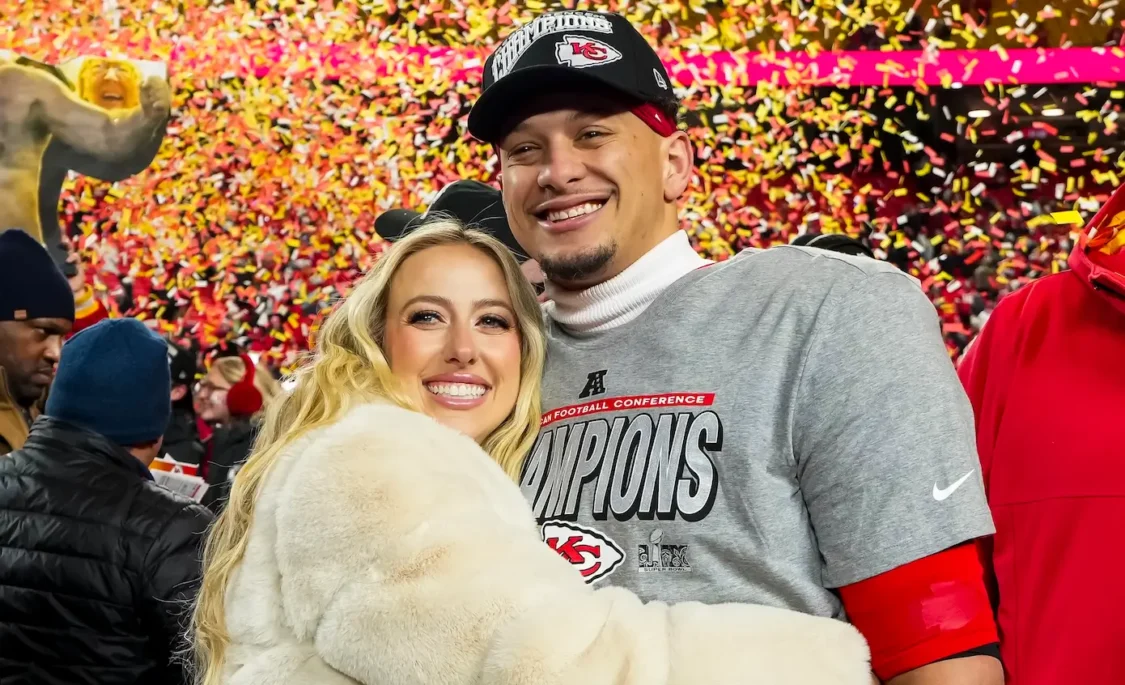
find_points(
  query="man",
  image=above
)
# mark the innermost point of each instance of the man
(34, 108)
(100, 563)
(776, 456)
(181, 440)
(1045, 377)
(36, 313)
(472, 203)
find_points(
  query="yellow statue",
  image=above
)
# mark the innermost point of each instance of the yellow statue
(37, 108)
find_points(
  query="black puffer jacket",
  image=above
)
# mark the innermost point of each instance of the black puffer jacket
(181, 439)
(97, 563)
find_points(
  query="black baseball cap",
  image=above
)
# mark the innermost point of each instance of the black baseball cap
(473, 203)
(834, 242)
(181, 364)
(564, 49)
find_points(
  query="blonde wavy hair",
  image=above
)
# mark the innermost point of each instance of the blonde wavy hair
(232, 369)
(348, 368)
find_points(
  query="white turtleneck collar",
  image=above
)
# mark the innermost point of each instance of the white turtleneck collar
(622, 298)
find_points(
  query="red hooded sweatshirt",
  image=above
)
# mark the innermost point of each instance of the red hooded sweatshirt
(1047, 381)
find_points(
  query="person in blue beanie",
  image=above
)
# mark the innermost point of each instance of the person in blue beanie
(100, 563)
(36, 313)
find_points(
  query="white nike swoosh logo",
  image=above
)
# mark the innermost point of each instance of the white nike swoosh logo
(940, 495)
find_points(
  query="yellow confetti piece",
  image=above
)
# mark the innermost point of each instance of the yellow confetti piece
(1069, 218)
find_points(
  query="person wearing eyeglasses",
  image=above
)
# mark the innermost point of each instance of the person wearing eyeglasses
(231, 400)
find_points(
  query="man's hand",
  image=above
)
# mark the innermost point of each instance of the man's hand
(78, 280)
(156, 98)
(87, 310)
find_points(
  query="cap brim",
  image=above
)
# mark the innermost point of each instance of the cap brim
(394, 223)
(491, 115)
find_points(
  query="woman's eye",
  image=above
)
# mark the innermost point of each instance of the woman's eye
(424, 317)
(494, 321)
(590, 135)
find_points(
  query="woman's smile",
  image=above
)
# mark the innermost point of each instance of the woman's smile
(457, 390)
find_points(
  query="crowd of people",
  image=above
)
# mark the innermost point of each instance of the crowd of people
(498, 456)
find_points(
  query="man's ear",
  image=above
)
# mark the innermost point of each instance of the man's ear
(179, 392)
(679, 165)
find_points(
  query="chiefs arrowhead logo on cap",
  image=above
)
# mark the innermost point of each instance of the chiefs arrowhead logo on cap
(580, 52)
(590, 551)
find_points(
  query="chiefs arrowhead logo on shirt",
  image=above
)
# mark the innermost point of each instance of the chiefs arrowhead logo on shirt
(590, 551)
(580, 52)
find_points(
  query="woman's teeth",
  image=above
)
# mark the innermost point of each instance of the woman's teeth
(456, 389)
(580, 210)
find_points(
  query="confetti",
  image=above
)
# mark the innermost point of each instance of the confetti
(297, 122)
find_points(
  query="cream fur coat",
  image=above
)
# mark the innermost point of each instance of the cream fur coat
(390, 550)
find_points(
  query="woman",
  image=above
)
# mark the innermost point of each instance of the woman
(233, 417)
(376, 533)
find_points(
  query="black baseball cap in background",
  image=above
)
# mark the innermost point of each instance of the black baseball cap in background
(563, 49)
(182, 364)
(473, 203)
(834, 242)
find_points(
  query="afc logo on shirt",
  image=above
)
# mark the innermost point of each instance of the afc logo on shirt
(595, 384)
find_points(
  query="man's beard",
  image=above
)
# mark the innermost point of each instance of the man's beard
(26, 394)
(579, 266)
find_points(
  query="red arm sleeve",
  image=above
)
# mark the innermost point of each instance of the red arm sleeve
(922, 612)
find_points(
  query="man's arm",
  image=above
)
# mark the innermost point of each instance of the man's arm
(884, 442)
(969, 670)
(174, 570)
(63, 157)
(91, 130)
(928, 611)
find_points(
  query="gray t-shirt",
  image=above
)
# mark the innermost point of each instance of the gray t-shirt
(771, 427)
